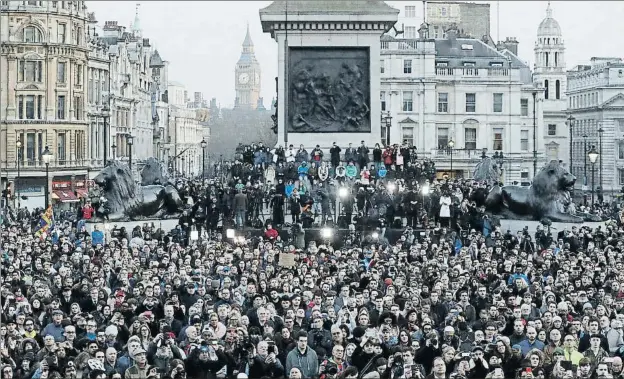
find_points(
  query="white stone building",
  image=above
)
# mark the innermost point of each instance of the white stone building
(98, 112)
(595, 95)
(184, 133)
(550, 73)
(437, 90)
(131, 96)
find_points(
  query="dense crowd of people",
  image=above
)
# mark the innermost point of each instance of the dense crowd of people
(454, 297)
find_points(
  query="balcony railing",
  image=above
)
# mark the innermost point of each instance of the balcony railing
(38, 164)
(491, 72)
(469, 154)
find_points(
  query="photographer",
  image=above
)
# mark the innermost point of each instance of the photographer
(265, 362)
(335, 365)
(319, 339)
(204, 362)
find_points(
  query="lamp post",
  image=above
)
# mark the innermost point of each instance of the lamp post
(114, 147)
(534, 133)
(203, 145)
(18, 145)
(182, 171)
(130, 141)
(500, 160)
(47, 158)
(600, 131)
(593, 156)
(451, 144)
(585, 160)
(105, 114)
(387, 119)
(570, 121)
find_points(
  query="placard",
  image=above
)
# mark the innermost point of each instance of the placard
(286, 260)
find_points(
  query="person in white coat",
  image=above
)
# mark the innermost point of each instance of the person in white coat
(445, 209)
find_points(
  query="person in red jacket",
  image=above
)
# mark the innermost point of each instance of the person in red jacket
(87, 211)
(270, 232)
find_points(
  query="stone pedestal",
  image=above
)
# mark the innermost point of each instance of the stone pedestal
(331, 70)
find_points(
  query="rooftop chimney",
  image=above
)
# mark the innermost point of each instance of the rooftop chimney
(511, 44)
(452, 32)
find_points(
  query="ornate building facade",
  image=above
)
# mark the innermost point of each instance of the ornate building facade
(549, 72)
(43, 93)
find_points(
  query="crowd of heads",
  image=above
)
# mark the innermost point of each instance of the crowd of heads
(455, 296)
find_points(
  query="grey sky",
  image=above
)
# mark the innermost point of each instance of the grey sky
(202, 39)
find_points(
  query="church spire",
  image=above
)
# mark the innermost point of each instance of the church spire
(136, 25)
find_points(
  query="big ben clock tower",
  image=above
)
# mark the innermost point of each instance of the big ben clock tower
(248, 76)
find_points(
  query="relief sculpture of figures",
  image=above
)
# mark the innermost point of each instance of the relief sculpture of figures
(329, 91)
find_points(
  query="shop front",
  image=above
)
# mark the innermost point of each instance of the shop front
(68, 192)
(30, 192)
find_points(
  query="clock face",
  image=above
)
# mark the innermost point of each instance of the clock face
(243, 78)
(257, 78)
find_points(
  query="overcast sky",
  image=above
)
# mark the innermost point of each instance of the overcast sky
(202, 39)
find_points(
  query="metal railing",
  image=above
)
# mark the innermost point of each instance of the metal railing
(38, 164)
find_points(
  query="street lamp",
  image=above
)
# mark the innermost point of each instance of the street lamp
(600, 131)
(585, 159)
(182, 172)
(18, 144)
(570, 121)
(203, 145)
(130, 140)
(105, 115)
(593, 156)
(500, 160)
(451, 144)
(114, 147)
(47, 158)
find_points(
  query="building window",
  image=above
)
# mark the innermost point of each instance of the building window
(546, 92)
(553, 152)
(497, 144)
(443, 138)
(470, 138)
(60, 72)
(410, 32)
(524, 140)
(443, 11)
(407, 66)
(382, 95)
(621, 149)
(30, 148)
(557, 89)
(408, 135)
(39, 145)
(60, 147)
(78, 36)
(471, 102)
(408, 101)
(524, 107)
(382, 66)
(77, 108)
(60, 107)
(54, 4)
(442, 102)
(62, 33)
(78, 80)
(497, 102)
(30, 71)
(552, 129)
(410, 11)
(91, 91)
(32, 35)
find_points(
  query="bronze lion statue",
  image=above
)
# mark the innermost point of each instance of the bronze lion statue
(545, 199)
(152, 173)
(486, 171)
(123, 199)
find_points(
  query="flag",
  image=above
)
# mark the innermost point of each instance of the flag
(46, 223)
(458, 245)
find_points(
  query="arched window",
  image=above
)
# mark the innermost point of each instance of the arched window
(557, 89)
(32, 35)
(546, 86)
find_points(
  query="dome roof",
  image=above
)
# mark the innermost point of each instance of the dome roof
(549, 27)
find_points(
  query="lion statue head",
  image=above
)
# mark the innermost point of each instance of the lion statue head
(152, 173)
(553, 180)
(117, 186)
(486, 171)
